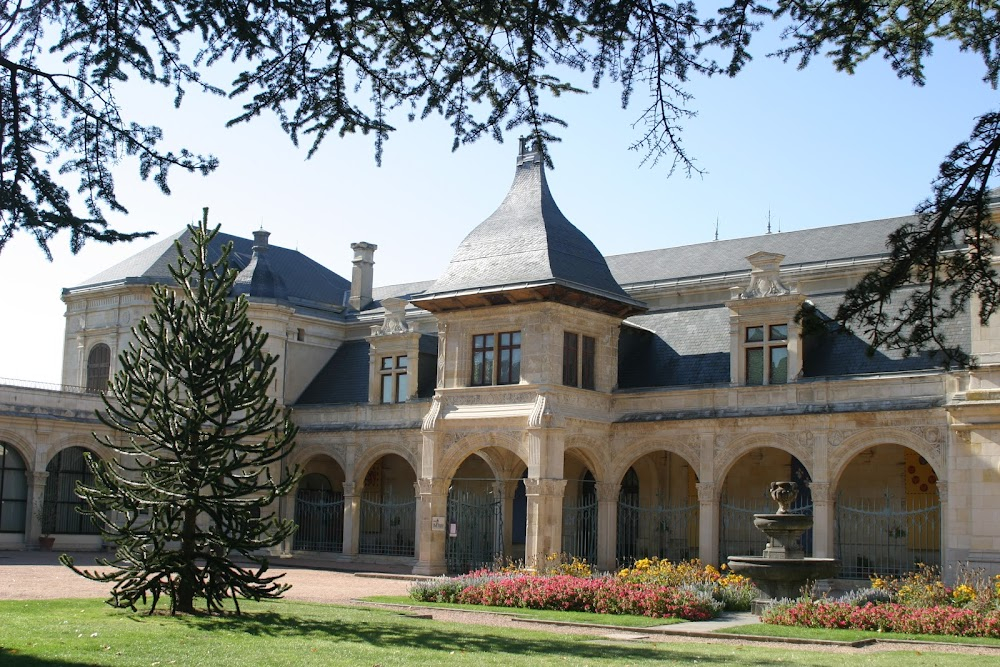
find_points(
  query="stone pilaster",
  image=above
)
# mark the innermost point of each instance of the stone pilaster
(36, 498)
(544, 528)
(708, 523)
(607, 524)
(352, 519)
(433, 504)
(822, 520)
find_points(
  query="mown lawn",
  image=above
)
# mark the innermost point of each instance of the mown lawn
(764, 630)
(60, 633)
(622, 620)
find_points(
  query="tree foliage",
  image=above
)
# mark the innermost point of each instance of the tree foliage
(189, 482)
(338, 67)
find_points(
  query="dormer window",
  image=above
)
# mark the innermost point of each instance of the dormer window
(496, 358)
(766, 352)
(395, 382)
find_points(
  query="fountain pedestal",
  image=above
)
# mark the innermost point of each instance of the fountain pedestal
(783, 569)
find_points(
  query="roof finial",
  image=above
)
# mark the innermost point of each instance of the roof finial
(768, 221)
(716, 228)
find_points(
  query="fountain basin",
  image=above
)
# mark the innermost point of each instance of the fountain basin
(784, 580)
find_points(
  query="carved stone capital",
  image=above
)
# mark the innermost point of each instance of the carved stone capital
(432, 487)
(545, 487)
(942, 488)
(607, 492)
(706, 492)
(820, 492)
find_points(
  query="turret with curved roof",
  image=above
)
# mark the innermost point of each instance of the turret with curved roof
(527, 251)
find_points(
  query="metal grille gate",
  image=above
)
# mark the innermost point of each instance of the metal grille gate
(580, 529)
(887, 535)
(669, 533)
(388, 526)
(737, 534)
(319, 515)
(477, 540)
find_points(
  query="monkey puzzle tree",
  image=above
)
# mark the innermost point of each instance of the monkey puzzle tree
(192, 475)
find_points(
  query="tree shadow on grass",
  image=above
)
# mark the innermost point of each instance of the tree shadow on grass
(397, 632)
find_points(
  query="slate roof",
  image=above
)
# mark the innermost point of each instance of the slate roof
(279, 273)
(840, 243)
(526, 242)
(344, 379)
(691, 347)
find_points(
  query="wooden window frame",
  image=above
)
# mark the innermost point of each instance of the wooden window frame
(496, 359)
(772, 339)
(579, 360)
(394, 377)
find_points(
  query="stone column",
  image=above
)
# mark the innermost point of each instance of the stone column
(822, 520)
(708, 523)
(433, 505)
(352, 519)
(416, 521)
(544, 530)
(33, 511)
(507, 490)
(946, 559)
(607, 524)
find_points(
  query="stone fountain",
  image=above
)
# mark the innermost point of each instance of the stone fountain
(783, 569)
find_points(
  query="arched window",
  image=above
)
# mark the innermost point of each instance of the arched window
(66, 469)
(13, 490)
(98, 368)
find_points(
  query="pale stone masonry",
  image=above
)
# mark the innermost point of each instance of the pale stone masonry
(539, 398)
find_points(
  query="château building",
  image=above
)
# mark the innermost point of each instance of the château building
(539, 397)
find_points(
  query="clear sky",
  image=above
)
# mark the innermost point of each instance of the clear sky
(812, 148)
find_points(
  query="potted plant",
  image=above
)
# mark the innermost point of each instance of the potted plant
(46, 515)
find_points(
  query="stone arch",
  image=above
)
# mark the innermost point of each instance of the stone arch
(371, 455)
(76, 441)
(470, 444)
(302, 455)
(23, 448)
(627, 457)
(727, 456)
(589, 451)
(844, 451)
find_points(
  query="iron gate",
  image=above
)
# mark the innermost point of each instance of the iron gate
(580, 529)
(388, 526)
(667, 533)
(319, 514)
(737, 534)
(887, 535)
(475, 531)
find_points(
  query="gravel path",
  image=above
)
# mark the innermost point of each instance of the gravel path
(35, 575)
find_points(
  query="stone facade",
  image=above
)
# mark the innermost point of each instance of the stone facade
(616, 423)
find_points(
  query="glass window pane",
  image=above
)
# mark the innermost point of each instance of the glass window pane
(402, 387)
(778, 332)
(589, 354)
(488, 367)
(755, 334)
(515, 366)
(402, 362)
(778, 372)
(387, 389)
(755, 366)
(386, 363)
(569, 358)
(516, 338)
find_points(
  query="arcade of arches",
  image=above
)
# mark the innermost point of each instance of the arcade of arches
(880, 511)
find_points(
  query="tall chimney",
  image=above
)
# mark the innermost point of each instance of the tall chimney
(362, 275)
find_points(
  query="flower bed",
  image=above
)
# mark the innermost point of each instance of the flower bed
(917, 602)
(657, 589)
(887, 617)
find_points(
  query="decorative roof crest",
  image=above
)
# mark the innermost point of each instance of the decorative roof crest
(765, 276)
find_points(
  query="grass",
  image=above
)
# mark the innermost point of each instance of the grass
(63, 633)
(764, 630)
(625, 621)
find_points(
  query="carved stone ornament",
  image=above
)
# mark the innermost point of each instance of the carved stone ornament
(784, 493)
(395, 318)
(765, 276)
